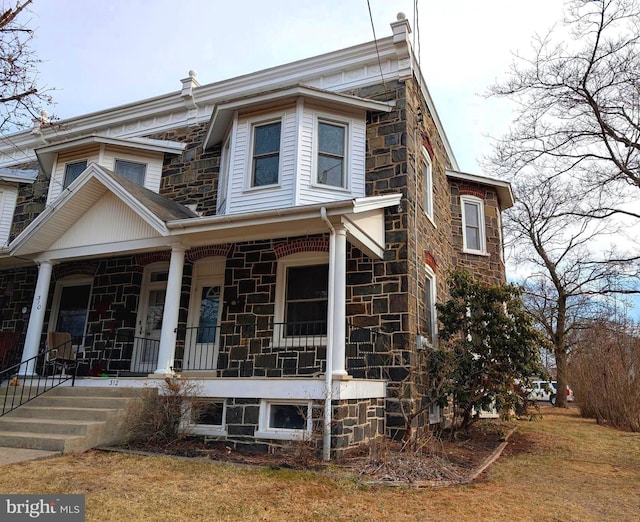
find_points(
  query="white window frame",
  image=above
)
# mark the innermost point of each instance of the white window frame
(55, 305)
(479, 204)
(431, 336)
(427, 184)
(253, 125)
(267, 432)
(8, 200)
(123, 160)
(300, 259)
(435, 413)
(330, 120)
(212, 430)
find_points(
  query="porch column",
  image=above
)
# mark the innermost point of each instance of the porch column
(339, 258)
(167, 350)
(36, 319)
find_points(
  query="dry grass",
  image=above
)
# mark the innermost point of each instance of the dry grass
(561, 467)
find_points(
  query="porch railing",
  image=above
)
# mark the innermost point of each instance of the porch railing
(23, 382)
(121, 353)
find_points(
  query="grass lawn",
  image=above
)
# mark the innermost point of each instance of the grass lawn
(558, 468)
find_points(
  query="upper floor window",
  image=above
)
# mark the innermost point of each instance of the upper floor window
(72, 171)
(131, 170)
(266, 154)
(331, 154)
(427, 184)
(473, 225)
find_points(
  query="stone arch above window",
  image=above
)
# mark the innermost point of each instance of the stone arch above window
(310, 244)
(64, 270)
(152, 257)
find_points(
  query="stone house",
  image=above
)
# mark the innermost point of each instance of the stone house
(281, 237)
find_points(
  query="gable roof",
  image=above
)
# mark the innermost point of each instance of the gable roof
(152, 211)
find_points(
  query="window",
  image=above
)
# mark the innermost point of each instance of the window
(72, 171)
(287, 420)
(473, 227)
(302, 297)
(266, 154)
(131, 170)
(435, 415)
(427, 184)
(206, 417)
(430, 323)
(70, 308)
(331, 154)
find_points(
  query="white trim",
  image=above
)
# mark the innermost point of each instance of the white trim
(72, 280)
(265, 431)
(482, 232)
(432, 336)
(253, 123)
(347, 125)
(427, 184)
(212, 430)
(299, 259)
(503, 188)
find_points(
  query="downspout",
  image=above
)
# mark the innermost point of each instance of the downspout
(328, 376)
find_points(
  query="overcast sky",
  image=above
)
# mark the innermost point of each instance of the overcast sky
(98, 54)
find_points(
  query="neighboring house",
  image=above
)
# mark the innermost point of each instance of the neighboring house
(282, 237)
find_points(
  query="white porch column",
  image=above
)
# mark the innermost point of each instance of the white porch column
(36, 319)
(167, 350)
(339, 258)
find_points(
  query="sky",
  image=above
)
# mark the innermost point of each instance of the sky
(98, 54)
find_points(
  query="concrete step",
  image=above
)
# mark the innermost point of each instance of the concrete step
(48, 441)
(57, 426)
(69, 419)
(86, 401)
(31, 410)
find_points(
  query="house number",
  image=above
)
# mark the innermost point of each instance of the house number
(38, 302)
(113, 382)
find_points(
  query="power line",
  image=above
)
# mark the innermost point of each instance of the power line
(375, 41)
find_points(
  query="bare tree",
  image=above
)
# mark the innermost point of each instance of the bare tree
(20, 96)
(570, 271)
(577, 106)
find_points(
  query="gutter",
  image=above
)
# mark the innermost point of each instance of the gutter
(328, 375)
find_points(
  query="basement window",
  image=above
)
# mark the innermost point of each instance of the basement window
(285, 420)
(207, 417)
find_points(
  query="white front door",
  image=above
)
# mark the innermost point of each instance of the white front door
(201, 342)
(149, 323)
(202, 338)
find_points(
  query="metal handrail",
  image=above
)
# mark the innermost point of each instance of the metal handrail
(17, 390)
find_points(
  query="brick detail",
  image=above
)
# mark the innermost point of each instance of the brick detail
(430, 260)
(470, 190)
(152, 257)
(196, 253)
(88, 268)
(314, 244)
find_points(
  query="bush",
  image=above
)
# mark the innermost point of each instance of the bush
(159, 420)
(605, 369)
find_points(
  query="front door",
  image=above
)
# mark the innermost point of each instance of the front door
(201, 342)
(70, 309)
(149, 323)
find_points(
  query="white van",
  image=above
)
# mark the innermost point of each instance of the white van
(546, 391)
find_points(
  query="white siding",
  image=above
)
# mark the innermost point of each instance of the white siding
(152, 159)
(124, 224)
(8, 198)
(297, 160)
(242, 197)
(89, 153)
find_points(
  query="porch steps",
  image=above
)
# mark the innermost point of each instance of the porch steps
(70, 419)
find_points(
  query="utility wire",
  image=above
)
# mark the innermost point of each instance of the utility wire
(375, 41)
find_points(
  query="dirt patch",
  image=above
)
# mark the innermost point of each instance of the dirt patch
(443, 458)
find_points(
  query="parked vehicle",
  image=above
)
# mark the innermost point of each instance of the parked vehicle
(547, 391)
